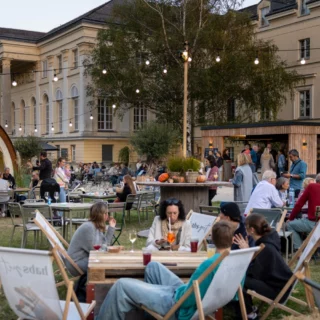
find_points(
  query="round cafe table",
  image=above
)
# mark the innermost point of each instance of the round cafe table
(192, 195)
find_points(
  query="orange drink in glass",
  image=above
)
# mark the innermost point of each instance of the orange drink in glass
(171, 237)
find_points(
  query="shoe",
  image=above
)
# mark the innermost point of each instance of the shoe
(255, 309)
(253, 316)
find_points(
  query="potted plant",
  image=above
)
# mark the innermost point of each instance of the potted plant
(175, 167)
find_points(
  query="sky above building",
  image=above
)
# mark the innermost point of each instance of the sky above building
(39, 15)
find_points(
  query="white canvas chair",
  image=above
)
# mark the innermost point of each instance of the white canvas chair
(302, 259)
(223, 287)
(56, 241)
(29, 285)
(201, 225)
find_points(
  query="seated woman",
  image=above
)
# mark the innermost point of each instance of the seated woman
(282, 185)
(127, 189)
(157, 239)
(268, 273)
(86, 237)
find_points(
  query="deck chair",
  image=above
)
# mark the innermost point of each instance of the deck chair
(29, 286)
(223, 287)
(57, 242)
(302, 259)
(310, 285)
(210, 210)
(201, 225)
(275, 217)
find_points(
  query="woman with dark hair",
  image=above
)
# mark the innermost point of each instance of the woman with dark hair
(127, 189)
(157, 239)
(268, 273)
(282, 185)
(226, 155)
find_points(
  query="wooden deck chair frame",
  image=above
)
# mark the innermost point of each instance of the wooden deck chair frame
(281, 220)
(195, 289)
(60, 250)
(305, 270)
(70, 292)
(308, 286)
(204, 241)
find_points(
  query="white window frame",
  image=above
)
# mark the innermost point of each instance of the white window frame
(75, 99)
(59, 99)
(140, 117)
(75, 58)
(73, 152)
(47, 114)
(304, 48)
(34, 110)
(44, 68)
(105, 115)
(303, 93)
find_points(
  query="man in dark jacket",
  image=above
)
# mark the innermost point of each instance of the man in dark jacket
(45, 167)
(7, 176)
(230, 212)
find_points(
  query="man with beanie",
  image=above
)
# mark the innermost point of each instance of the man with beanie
(230, 212)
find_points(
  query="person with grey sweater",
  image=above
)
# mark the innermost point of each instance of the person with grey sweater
(88, 235)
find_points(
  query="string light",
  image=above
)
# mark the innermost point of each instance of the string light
(20, 129)
(6, 125)
(189, 59)
(147, 62)
(104, 71)
(137, 91)
(218, 58)
(91, 116)
(70, 123)
(14, 82)
(35, 128)
(55, 78)
(165, 71)
(52, 127)
(303, 61)
(256, 61)
(114, 106)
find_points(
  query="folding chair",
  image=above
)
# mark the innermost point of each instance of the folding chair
(147, 200)
(302, 257)
(133, 199)
(57, 242)
(113, 208)
(29, 286)
(275, 217)
(210, 210)
(201, 225)
(223, 287)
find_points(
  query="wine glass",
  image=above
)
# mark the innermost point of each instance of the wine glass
(132, 238)
(46, 195)
(97, 241)
(56, 196)
(171, 237)
(215, 176)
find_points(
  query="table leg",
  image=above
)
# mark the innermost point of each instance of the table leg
(90, 298)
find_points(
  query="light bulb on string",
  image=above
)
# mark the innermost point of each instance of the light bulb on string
(165, 71)
(35, 129)
(147, 62)
(52, 127)
(14, 82)
(114, 106)
(189, 59)
(218, 58)
(256, 61)
(20, 129)
(6, 125)
(70, 123)
(91, 116)
(55, 78)
(137, 91)
(303, 61)
(104, 70)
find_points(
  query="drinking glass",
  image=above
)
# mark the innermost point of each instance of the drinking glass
(56, 196)
(211, 250)
(171, 237)
(132, 238)
(97, 242)
(46, 195)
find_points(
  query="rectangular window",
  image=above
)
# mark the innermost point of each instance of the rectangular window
(35, 115)
(24, 120)
(44, 69)
(76, 114)
(139, 117)
(47, 118)
(58, 152)
(107, 152)
(75, 58)
(305, 104)
(231, 111)
(265, 113)
(305, 48)
(231, 153)
(59, 58)
(64, 153)
(60, 115)
(73, 153)
(105, 116)
(264, 12)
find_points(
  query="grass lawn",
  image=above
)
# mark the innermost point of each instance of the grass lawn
(5, 233)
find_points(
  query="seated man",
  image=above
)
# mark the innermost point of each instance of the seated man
(265, 194)
(311, 195)
(162, 288)
(8, 176)
(34, 179)
(230, 212)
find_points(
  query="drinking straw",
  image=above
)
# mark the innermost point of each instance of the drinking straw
(169, 224)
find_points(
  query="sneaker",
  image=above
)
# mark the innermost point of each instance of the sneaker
(253, 315)
(255, 309)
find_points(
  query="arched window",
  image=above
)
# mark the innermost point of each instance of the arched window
(13, 115)
(75, 99)
(59, 99)
(23, 111)
(47, 113)
(34, 110)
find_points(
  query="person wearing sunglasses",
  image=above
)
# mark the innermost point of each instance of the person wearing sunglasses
(171, 216)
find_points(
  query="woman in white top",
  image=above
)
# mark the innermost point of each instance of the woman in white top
(157, 239)
(61, 178)
(4, 186)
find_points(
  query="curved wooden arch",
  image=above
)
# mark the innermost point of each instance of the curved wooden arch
(8, 150)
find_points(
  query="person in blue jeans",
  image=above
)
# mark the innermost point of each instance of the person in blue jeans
(161, 288)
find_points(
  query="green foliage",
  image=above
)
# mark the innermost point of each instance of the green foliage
(155, 141)
(28, 147)
(21, 177)
(191, 164)
(175, 164)
(155, 31)
(124, 155)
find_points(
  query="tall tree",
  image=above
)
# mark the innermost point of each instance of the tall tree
(155, 31)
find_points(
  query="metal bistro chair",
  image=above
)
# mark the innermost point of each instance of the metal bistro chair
(147, 201)
(16, 211)
(114, 208)
(5, 194)
(134, 200)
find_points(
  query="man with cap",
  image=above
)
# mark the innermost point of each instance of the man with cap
(230, 212)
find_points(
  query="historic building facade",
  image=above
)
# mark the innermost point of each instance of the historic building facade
(43, 91)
